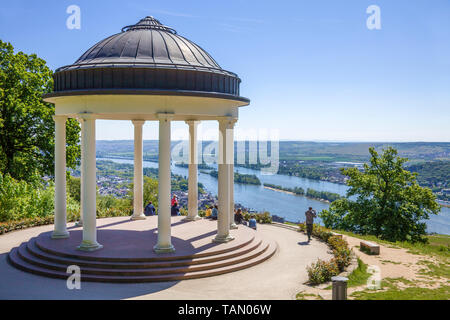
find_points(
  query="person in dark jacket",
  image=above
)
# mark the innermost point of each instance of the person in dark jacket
(149, 209)
(175, 210)
(310, 215)
(215, 212)
(238, 217)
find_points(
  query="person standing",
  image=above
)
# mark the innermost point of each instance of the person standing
(310, 215)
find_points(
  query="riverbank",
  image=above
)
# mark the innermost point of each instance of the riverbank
(295, 194)
(444, 203)
(287, 206)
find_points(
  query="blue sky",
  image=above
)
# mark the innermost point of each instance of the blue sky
(312, 69)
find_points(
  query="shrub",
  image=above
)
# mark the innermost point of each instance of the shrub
(23, 200)
(262, 217)
(342, 253)
(201, 213)
(321, 271)
(24, 223)
(110, 206)
(183, 211)
(318, 231)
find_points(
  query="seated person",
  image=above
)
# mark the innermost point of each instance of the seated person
(174, 201)
(252, 222)
(238, 217)
(208, 213)
(149, 209)
(175, 211)
(214, 212)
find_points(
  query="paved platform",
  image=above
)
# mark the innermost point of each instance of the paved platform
(127, 255)
(279, 277)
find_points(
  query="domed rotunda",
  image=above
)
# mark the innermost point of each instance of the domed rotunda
(147, 72)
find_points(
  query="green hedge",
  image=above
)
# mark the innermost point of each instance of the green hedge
(24, 223)
(322, 271)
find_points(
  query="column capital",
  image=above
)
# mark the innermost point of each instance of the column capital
(228, 122)
(86, 116)
(192, 122)
(138, 122)
(164, 116)
(60, 117)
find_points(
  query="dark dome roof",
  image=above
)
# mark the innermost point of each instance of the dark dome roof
(147, 42)
(150, 56)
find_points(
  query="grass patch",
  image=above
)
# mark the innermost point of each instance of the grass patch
(438, 245)
(389, 261)
(439, 269)
(303, 296)
(359, 276)
(392, 292)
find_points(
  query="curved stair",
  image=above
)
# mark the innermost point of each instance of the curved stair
(35, 257)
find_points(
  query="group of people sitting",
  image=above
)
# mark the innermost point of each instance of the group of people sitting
(211, 213)
(150, 209)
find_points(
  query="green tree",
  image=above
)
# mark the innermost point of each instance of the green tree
(388, 201)
(26, 123)
(150, 191)
(74, 187)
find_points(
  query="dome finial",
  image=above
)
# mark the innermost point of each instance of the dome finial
(149, 23)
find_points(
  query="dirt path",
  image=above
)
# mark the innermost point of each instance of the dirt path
(392, 263)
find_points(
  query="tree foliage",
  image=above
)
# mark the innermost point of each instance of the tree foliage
(26, 123)
(21, 199)
(150, 191)
(388, 202)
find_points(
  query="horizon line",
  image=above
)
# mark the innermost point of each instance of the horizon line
(291, 140)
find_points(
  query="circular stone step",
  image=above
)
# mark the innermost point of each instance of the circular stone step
(15, 260)
(127, 255)
(38, 253)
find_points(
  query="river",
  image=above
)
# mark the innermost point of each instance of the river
(291, 207)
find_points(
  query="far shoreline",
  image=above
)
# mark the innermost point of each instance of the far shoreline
(298, 195)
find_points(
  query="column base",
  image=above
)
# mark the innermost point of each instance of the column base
(233, 226)
(223, 239)
(79, 223)
(191, 218)
(60, 235)
(139, 217)
(168, 249)
(89, 246)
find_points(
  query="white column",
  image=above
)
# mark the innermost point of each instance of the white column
(138, 172)
(223, 220)
(193, 174)
(230, 138)
(80, 222)
(60, 230)
(164, 244)
(89, 242)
